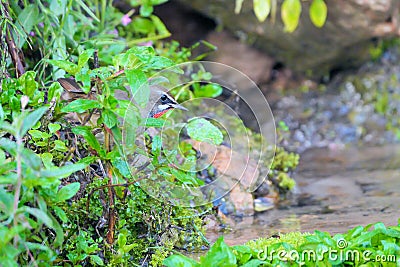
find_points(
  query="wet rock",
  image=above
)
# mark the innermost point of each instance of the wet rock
(343, 41)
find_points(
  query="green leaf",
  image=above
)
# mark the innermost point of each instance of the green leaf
(81, 105)
(54, 127)
(60, 146)
(290, 12)
(1, 114)
(109, 118)
(31, 119)
(55, 91)
(139, 86)
(154, 122)
(204, 131)
(97, 260)
(146, 10)
(122, 166)
(160, 26)
(90, 138)
(254, 263)
(87, 9)
(179, 261)
(47, 159)
(84, 57)
(60, 213)
(318, 12)
(39, 214)
(69, 67)
(220, 254)
(27, 84)
(28, 18)
(64, 171)
(210, 90)
(261, 9)
(68, 191)
(238, 6)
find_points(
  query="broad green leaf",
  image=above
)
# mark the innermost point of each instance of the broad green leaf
(39, 214)
(109, 118)
(68, 191)
(31, 159)
(122, 166)
(179, 261)
(2, 156)
(81, 105)
(31, 119)
(6, 202)
(261, 9)
(69, 67)
(220, 254)
(254, 263)
(290, 12)
(139, 86)
(318, 12)
(90, 138)
(204, 131)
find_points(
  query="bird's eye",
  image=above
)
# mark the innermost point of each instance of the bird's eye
(164, 97)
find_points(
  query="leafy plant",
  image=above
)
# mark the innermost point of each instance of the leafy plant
(290, 11)
(358, 247)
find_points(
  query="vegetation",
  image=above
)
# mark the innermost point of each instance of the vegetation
(290, 11)
(358, 247)
(66, 198)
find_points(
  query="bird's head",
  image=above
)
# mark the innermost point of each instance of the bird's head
(161, 102)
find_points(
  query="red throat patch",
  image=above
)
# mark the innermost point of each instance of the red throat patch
(157, 115)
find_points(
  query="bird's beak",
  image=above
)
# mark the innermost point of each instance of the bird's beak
(180, 107)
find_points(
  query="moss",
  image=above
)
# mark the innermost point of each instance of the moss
(295, 239)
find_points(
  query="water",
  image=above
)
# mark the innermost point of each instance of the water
(338, 189)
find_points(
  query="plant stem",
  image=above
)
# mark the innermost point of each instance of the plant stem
(19, 184)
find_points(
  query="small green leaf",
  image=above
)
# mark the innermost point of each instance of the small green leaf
(31, 119)
(28, 18)
(27, 84)
(47, 159)
(146, 10)
(60, 146)
(96, 260)
(54, 127)
(290, 12)
(204, 131)
(81, 105)
(261, 9)
(60, 213)
(68, 191)
(318, 12)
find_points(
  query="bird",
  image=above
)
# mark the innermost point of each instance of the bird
(160, 102)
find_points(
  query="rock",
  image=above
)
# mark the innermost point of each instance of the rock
(343, 41)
